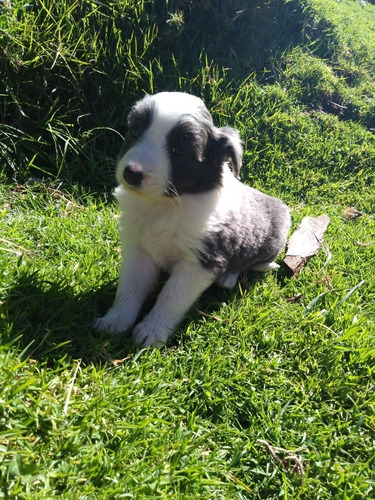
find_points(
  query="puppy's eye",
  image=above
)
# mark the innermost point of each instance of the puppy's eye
(135, 131)
(179, 151)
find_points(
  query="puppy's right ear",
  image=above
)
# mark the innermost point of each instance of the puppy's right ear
(232, 147)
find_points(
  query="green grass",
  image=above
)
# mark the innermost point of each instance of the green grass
(287, 361)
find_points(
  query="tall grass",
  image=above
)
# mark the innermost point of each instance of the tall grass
(71, 70)
(65, 66)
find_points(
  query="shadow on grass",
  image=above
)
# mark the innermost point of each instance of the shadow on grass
(49, 321)
(238, 35)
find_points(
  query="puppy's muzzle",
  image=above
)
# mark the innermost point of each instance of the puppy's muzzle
(133, 174)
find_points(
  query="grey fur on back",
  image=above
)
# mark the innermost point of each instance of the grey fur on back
(256, 234)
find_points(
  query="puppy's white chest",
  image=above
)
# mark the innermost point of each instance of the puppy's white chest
(163, 233)
(166, 246)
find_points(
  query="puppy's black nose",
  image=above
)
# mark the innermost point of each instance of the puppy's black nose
(133, 174)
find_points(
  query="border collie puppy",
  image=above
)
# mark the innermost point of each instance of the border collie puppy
(184, 211)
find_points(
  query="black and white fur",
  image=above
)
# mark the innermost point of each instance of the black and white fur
(184, 211)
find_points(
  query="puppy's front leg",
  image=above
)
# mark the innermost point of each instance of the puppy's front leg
(137, 277)
(186, 283)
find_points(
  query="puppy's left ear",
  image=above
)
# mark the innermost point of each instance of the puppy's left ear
(232, 147)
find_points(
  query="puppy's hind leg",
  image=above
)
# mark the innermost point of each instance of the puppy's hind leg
(264, 267)
(227, 280)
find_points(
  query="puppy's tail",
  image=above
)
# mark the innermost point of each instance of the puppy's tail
(264, 267)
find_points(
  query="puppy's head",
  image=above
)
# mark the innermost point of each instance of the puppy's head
(172, 147)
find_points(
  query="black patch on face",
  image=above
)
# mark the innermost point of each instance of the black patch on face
(192, 169)
(191, 147)
(198, 151)
(139, 119)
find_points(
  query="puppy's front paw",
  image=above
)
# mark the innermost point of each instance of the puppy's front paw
(113, 322)
(148, 334)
